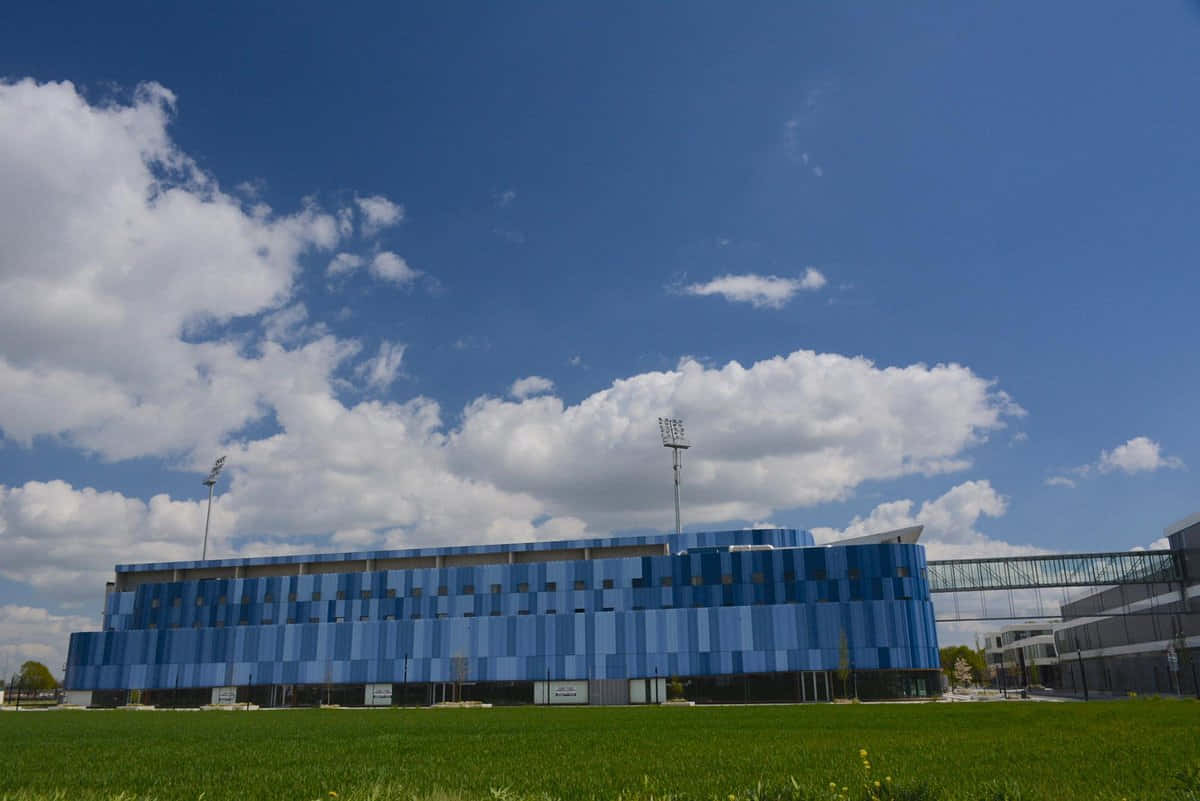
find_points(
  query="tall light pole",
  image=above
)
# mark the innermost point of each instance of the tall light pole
(674, 437)
(210, 482)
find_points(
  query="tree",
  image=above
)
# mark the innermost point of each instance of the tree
(962, 672)
(460, 667)
(36, 676)
(951, 654)
(843, 670)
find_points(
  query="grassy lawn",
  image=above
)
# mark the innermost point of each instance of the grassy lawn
(932, 751)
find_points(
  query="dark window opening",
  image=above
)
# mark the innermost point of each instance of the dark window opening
(608, 584)
(580, 585)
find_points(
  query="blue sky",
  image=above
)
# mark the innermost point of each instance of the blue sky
(328, 242)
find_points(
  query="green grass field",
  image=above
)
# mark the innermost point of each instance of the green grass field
(932, 751)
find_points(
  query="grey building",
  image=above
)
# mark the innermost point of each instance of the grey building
(1023, 654)
(1142, 638)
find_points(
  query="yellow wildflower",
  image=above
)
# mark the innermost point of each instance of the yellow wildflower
(862, 752)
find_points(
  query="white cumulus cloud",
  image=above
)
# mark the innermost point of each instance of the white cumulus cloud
(1060, 481)
(381, 370)
(343, 264)
(950, 522)
(119, 255)
(387, 266)
(378, 213)
(32, 633)
(760, 291)
(1140, 454)
(530, 385)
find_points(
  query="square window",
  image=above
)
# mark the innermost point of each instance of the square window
(902, 572)
(639, 582)
(495, 613)
(316, 596)
(789, 576)
(391, 593)
(416, 592)
(551, 586)
(665, 581)
(523, 587)
(697, 581)
(268, 598)
(639, 608)
(200, 601)
(756, 578)
(726, 578)
(606, 609)
(495, 589)
(221, 600)
(268, 621)
(416, 615)
(291, 597)
(441, 615)
(153, 603)
(443, 590)
(468, 589)
(580, 584)
(551, 611)
(339, 619)
(196, 624)
(389, 617)
(854, 573)
(363, 617)
(608, 584)
(152, 625)
(291, 621)
(341, 595)
(245, 599)
(523, 612)
(314, 620)
(468, 614)
(177, 602)
(580, 611)
(818, 575)
(365, 594)
(220, 624)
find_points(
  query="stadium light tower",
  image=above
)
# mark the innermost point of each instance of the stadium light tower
(210, 482)
(674, 437)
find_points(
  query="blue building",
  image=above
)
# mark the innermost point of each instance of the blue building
(748, 615)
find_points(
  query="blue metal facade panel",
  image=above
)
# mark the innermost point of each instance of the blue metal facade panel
(695, 614)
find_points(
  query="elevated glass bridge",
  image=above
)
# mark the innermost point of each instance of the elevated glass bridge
(1064, 570)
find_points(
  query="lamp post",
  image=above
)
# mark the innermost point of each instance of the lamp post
(674, 437)
(210, 482)
(1082, 672)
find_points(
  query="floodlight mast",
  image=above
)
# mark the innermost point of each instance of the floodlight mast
(210, 482)
(675, 438)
